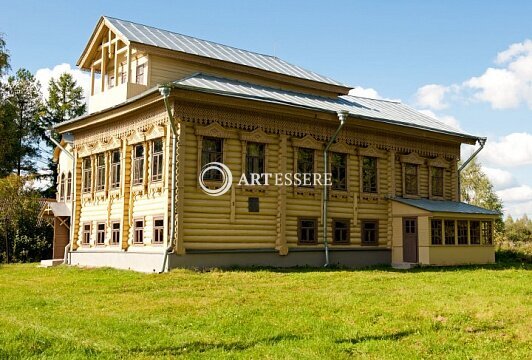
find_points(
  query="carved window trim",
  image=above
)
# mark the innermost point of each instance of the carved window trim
(213, 130)
(411, 159)
(310, 188)
(302, 231)
(443, 183)
(256, 136)
(334, 223)
(347, 172)
(361, 177)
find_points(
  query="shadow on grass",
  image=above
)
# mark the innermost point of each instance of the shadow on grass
(203, 346)
(360, 339)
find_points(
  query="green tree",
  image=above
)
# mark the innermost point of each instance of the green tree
(4, 56)
(7, 116)
(23, 98)
(476, 189)
(65, 101)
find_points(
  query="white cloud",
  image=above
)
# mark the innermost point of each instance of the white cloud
(517, 200)
(513, 51)
(514, 149)
(501, 179)
(365, 92)
(446, 119)
(44, 75)
(432, 96)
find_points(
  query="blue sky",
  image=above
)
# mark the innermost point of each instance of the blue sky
(391, 49)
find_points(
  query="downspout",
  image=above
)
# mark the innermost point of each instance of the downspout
(342, 116)
(165, 93)
(49, 135)
(482, 142)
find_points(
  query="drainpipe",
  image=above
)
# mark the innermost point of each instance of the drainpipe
(482, 142)
(165, 93)
(49, 135)
(342, 116)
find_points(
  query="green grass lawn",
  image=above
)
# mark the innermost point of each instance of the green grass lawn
(456, 313)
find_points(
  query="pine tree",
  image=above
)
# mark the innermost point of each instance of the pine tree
(4, 56)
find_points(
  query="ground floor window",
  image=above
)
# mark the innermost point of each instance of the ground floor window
(461, 226)
(341, 231)
(450, 232)
(436, 232)
(307, 232)
(100, 239)
(86, 238)
(158, 230)
(370, 232)
(115, 233)
(139, 231)
(474, 232)
(487, 232)
(462, 232)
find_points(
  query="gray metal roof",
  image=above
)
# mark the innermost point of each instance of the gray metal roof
(173, 41)
(381, 110)
(446, 206)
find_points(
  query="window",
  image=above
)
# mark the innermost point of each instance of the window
(449, 227)
(370, 232)
(307, 233)
(338, 171)
(436, 231)
(436, 181)
(212, 151)
(369, 174)
(100, 239)
(62, 188)
(115, 233)
(253, 204)
(411, 179)
(138, 164)
(341, 231)
(158, 230)
(115, 169)
(255, 161)
(139, 232)
(474, 232)
(100, 172)
(87, 175)
(69, 187)
(461, 225)
(487, 232)
(111, 82)
(140, 74)
(86, 239)
(157, 160)
(123, 75)
(305, 163)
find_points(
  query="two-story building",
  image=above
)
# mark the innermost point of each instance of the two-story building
(138, 199)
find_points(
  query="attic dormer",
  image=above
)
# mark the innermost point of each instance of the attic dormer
(118, 70)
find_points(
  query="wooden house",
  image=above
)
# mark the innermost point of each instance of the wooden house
(163, 105)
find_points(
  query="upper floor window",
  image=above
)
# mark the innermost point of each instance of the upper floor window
(212, 151)
(87, 174)
(62, 187)
(157, 160)
(411, 179)
(100, 172)
(436, 178)
(369, 174)
(138, 164)
(339, 171)
(123, 74)
(115, 169)
(255, 160)
(140, 74)
(305, 164)
(69, 187)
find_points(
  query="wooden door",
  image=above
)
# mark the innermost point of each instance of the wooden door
(410, 248)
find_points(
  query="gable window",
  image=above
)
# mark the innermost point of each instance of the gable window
(100, 239)
(87, 175)
(115, 169)
(370, 232)
(436, 232)
(307, 233)
(157, 160)
(436, 178)
(86, 238)
(115, 233)
(369, 174)
(123, 75)
(339, 171)
(255, 160)
(139, 231)
(487, 233)
(212, 151)
(140, 74)
(474, 232)
(62, 188)
(449, 227)
(341, 231)
(411, 179)
(111, 82)
(461, 226)
(100, 172)
(69, 187)
(138, 164)
(158, 230)
(305, 164)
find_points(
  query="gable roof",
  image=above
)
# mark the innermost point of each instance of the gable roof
(446, 206)
(148, 35)
(392, 112)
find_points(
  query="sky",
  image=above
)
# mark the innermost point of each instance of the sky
(467, 63)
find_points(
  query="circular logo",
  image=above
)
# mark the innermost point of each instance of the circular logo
(227, 178)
